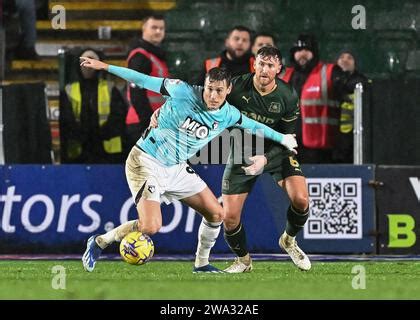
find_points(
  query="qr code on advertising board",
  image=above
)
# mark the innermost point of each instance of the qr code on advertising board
(335, 209)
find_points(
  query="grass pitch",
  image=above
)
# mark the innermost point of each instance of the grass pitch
(174, 280)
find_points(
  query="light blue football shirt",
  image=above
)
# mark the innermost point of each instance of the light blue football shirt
(185, 123)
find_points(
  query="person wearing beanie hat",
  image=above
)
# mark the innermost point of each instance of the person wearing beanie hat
(317, 84)
(347, 60)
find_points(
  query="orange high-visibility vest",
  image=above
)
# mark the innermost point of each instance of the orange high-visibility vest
(215, 62)
(319, 111)
(159, 69)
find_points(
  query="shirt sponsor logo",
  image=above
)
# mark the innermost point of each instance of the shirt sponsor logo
(258, 117)
(195, 128)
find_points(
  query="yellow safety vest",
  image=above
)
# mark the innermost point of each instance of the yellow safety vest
(113, 145)
(347, 115)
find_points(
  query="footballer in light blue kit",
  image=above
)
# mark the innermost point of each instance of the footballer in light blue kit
(156, 168)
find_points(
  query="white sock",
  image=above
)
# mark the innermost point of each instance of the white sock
(207, 235)
(116, 234)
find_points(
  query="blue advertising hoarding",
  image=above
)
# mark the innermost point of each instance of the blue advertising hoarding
(54, 209)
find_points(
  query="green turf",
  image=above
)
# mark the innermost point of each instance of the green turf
(174, 280)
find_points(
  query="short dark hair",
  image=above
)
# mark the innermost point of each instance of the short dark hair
(219, 74)
(239, 28)
(263, 34)
(155, 16)
(270, 51)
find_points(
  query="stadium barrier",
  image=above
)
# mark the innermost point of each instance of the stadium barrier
(398, 209)
(54, 209)
(24, 127)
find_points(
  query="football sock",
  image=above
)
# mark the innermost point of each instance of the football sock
(246, 259)
(116, 234)
(207, 235)
(296, 219)
(236, 239)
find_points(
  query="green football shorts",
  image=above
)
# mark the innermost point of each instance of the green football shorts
(235, 181)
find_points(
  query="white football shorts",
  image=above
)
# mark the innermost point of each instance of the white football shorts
(149, 179)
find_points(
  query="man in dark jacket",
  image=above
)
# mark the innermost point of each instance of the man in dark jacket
(236, 58)
(318, 85)
(343, 152)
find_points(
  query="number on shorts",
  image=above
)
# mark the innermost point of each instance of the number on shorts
(293, 162)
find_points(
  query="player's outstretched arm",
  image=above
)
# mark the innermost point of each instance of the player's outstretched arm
(287, 140)
(140, 79)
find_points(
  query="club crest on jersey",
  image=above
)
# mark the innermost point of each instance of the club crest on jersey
(215, 125)
(173, 81)
(274, 107)
(195, 128)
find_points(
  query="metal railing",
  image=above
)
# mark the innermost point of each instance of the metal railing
(358, 125)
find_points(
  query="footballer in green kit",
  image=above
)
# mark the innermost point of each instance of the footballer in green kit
(264, 97)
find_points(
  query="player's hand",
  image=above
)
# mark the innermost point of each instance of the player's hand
(154, 119)
(93, 64)
(289, 141)
(257, 166)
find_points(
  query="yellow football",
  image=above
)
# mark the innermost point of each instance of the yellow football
(137, 248)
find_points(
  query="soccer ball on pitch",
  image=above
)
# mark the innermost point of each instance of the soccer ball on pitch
(136, 248)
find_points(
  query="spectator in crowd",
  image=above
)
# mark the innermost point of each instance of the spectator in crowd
(236, 57)
(27, 19)
(146, 56)
(317, 84)
(92, 112)
(262, 39)
(343, 152)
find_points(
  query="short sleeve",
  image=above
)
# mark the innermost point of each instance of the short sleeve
(234, 116)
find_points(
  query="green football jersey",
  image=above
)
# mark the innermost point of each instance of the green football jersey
(278, 110)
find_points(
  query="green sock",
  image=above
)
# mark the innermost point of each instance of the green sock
(236, 239)
(295, 220)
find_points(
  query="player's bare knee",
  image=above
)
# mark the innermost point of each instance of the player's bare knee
(231, 222)
(217, 216)
(300, 202)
